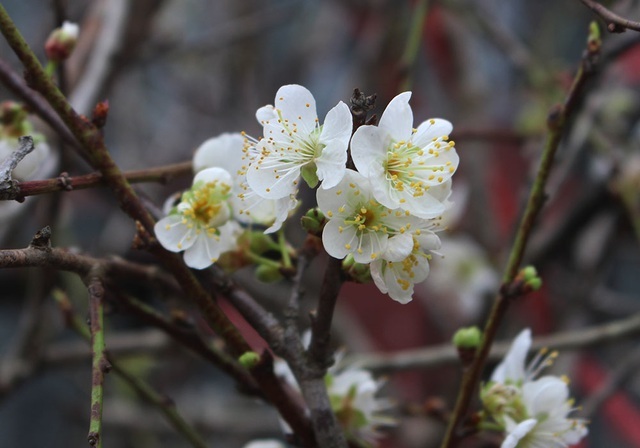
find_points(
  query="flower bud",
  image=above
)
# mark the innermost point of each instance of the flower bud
(470, 337)
(249, 359)
(268, 274)
(61, 42)
(313, 221)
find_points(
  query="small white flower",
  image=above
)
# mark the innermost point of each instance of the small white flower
(398, 278)
(534, 411)
(233, 153)
(352, 392)
(360, 225)
(200, 224)
(408, 168)
(295, 143)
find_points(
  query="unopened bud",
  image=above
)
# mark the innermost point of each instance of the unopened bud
(313, 221)
(529, 273)
(268, 274)
(61, 42)
(249, 359)
(534, 284)
(359, 272)
(100, 113)
(470, 337)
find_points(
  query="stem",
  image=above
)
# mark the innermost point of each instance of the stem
(143, 389)
(413, 44)
(284, 249)
(556, 123)
(160, 174)
(100, 364)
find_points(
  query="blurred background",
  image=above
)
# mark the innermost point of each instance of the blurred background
(179, 72)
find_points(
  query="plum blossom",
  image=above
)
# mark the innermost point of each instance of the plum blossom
(533, 412)
(200, 224)
(352, 392)
(233, 152)
(398, 278)
(361, 226)
(295, 144)
(408, 168)
(265, 443)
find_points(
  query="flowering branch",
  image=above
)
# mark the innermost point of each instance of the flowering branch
(556, 123)
(615, 23)
(162, 174)
(146, 392)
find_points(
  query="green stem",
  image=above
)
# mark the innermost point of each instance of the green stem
(262, 260)
(50, 68)
(413, 44)
(143, 389)
(556, 123)
(100, 365)
(284, 249)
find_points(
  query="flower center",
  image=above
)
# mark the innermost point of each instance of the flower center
(368, 219)
(205, 204)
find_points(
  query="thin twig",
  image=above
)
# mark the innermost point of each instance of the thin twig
(408, 59)
(100, 365)
(615, 23)
(161, 174)
(436, 356)
(556, 122)
(146, 392)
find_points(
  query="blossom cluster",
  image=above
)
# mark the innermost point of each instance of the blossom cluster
(382, 211)
(533, 412)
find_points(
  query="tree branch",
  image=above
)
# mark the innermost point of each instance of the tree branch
(615, 23)
(556, 123)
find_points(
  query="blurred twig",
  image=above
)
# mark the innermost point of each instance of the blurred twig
(162, 403)
(615, 23)
(100, 365)
(446, 354)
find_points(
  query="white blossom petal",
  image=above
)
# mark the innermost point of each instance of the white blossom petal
(174, 233)
(297, 106)
(397, 118)
(518, 432)
(512, 367)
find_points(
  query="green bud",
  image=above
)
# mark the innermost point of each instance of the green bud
(313, 221)
(594, 31)
(529, 273)
(259, 243)
(249, 359)
(535, 283)
(469, 337)
(309, 174)
(268, 274)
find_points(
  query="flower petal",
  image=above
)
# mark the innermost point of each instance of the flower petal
(397, 118)
(428, 130)
(338, 125)
(332, 164)
(214, 174)
(335, 240)
(399, 247)
(297, 105)
(512, 366)
(223, 151)
(518, 432)
(174, 233)
(368, 149)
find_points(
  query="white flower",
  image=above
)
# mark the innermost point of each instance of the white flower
(534, 411)
(408, 168)
(295, 143)
(360, 225)
(233, 153)
(398, 278)
(200, 223)
(265, 443)
(352, 392)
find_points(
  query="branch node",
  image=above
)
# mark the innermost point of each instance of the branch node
(42, 239)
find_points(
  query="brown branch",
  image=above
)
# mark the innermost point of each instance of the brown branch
(615, 23)
(161, 174)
